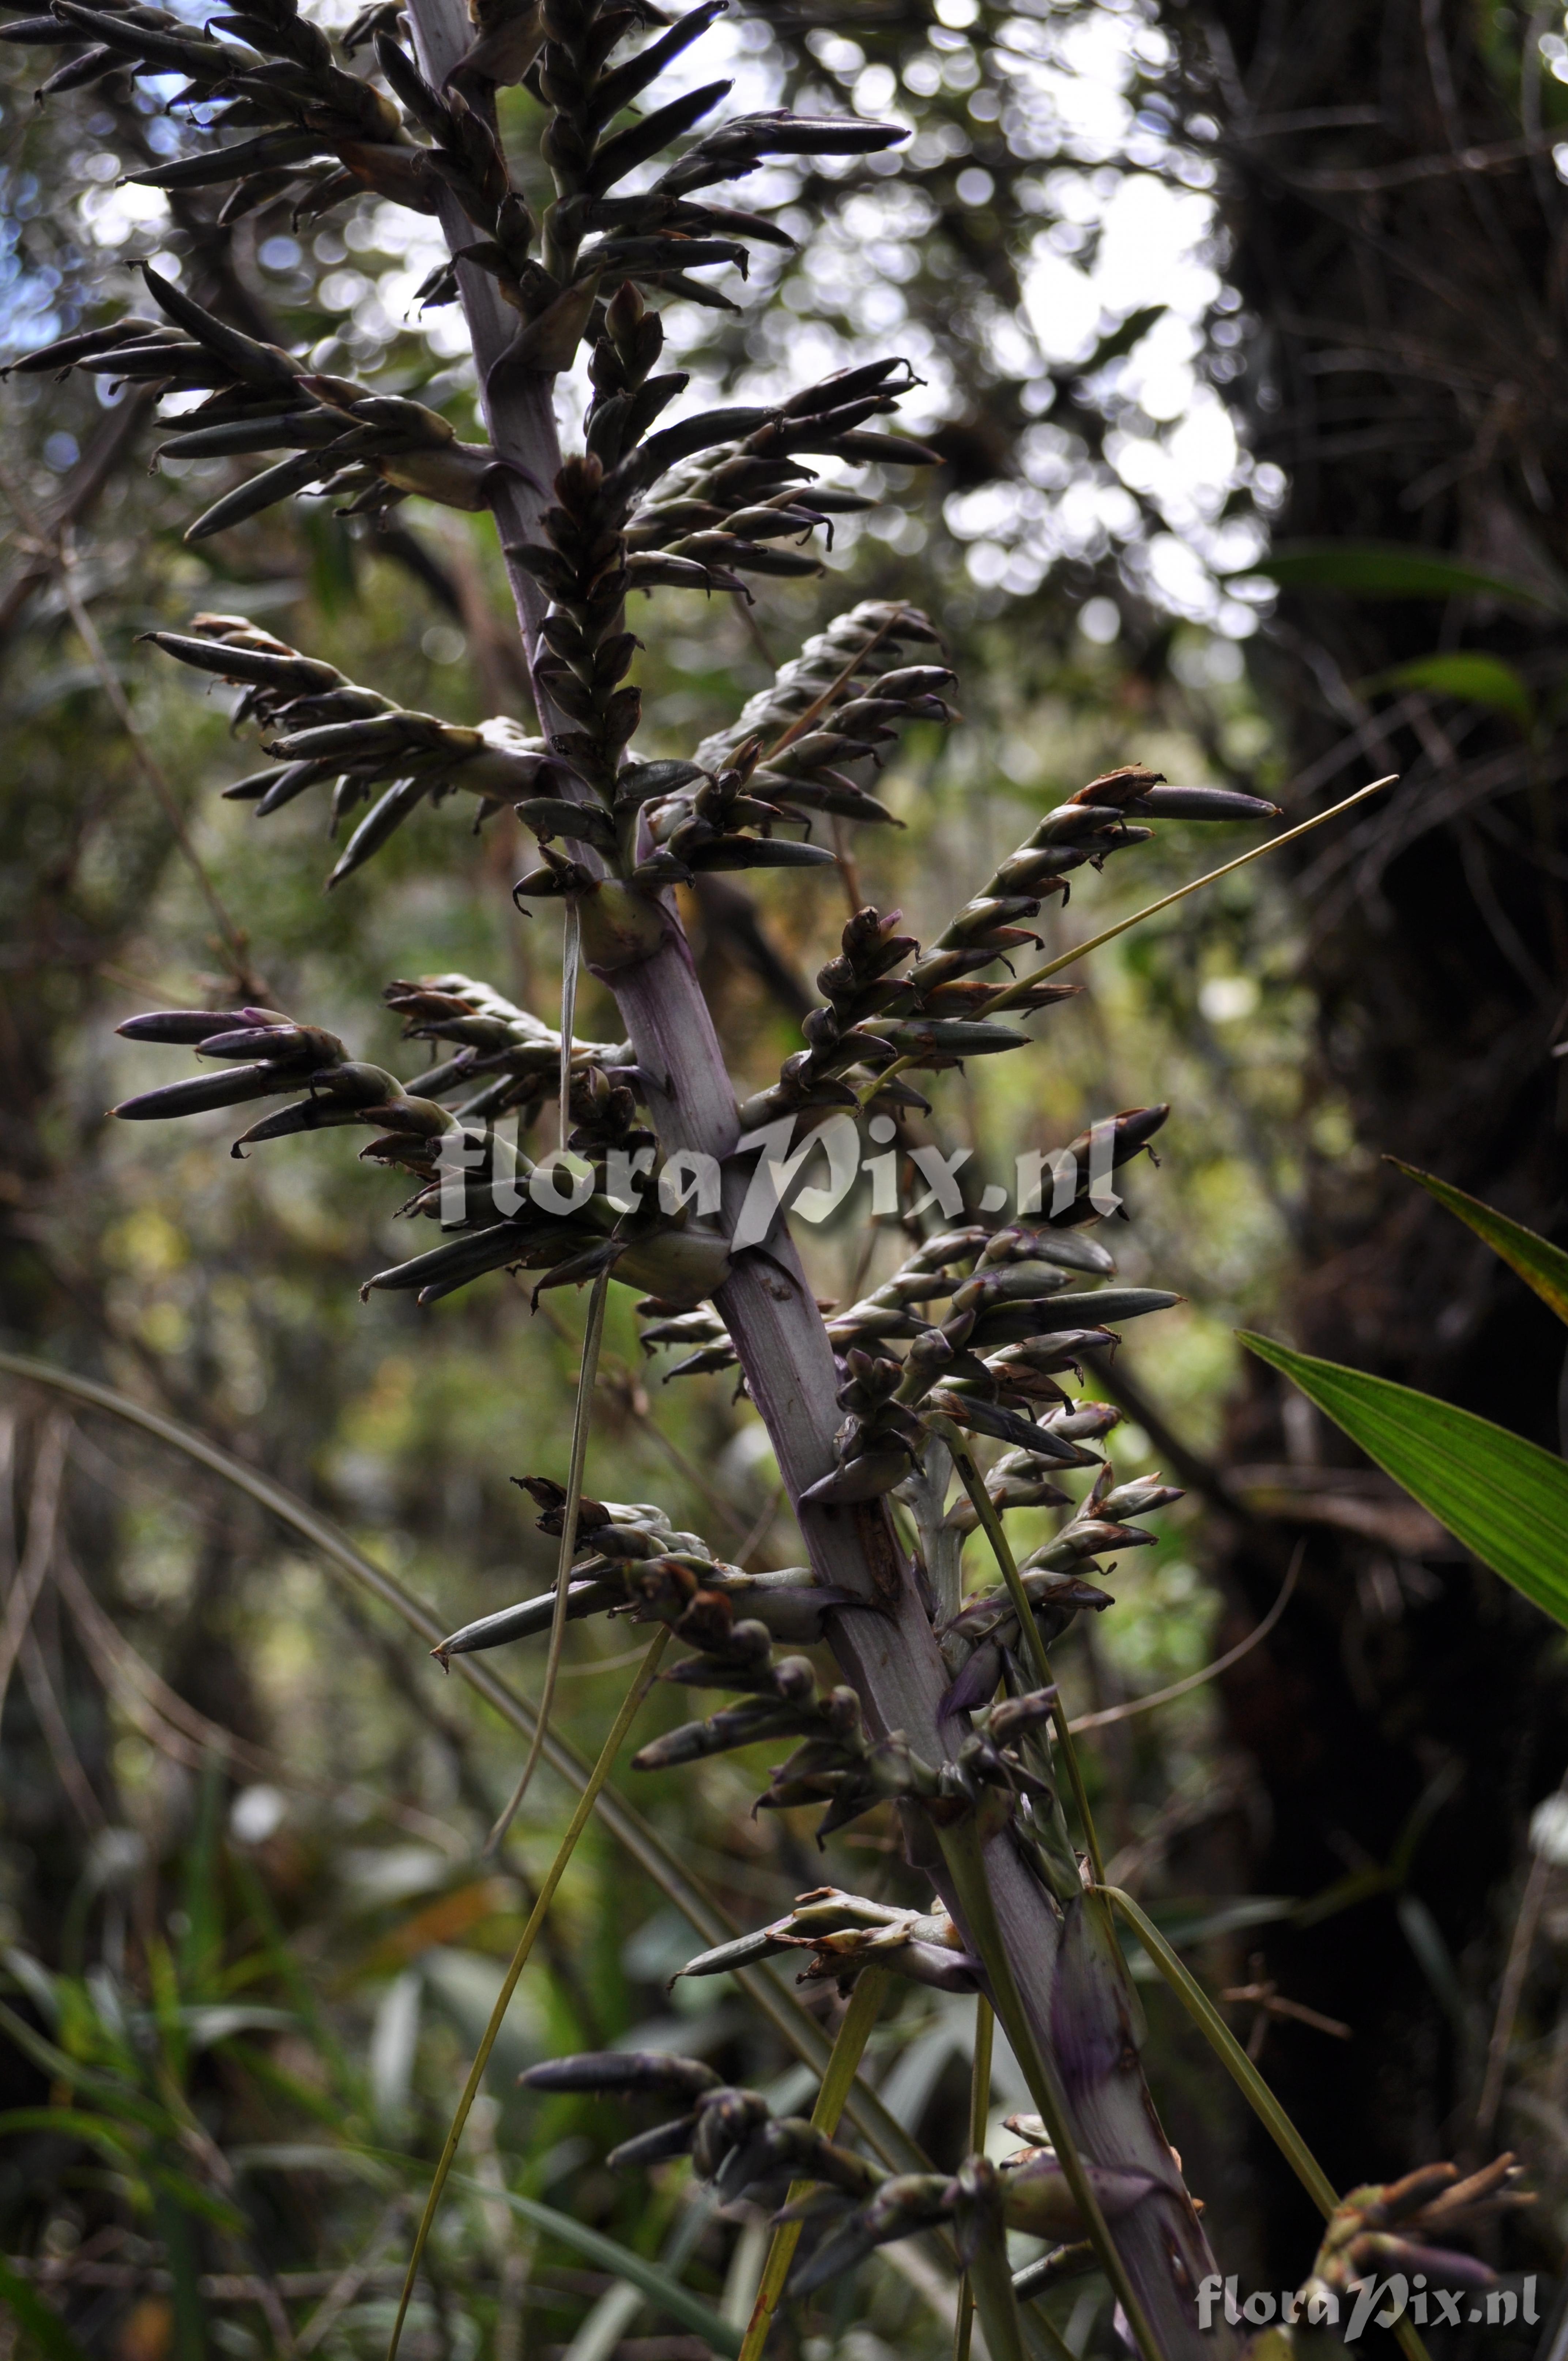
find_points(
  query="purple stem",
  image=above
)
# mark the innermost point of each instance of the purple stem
(888, 1655)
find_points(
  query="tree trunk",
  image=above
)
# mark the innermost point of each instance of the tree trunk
(1398, 238)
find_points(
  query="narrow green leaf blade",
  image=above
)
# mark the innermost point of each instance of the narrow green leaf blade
(656, 2284)
(35, 2318)
(1539, 1262)
(1393, 569)
(70, 2123)
(1468, 674)
(114, 2096)
(1502, 1496)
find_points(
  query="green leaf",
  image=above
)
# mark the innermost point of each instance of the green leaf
(1395, 569)
(180, 2254)
(71, 2123)
(1539, 1264)
(1189, 1924)
(656, 2284)
(191, 2201)
(1228, 2050)
(69, 2071)
(36, 1980)
(35, 2318)
(1502, 1496)
(1467, 673)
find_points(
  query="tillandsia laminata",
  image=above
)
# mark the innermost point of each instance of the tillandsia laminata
(735, 2140)
(371, 450)
(323, 728)
(510, 1213)
(1392, 2227)
(751, 2155)
(627, 1559)
(322, 133)
(1378, 2265)
(702, 501)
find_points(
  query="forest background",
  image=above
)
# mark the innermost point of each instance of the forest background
(1184, 288)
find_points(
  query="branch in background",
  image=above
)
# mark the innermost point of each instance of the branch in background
(733, 922)
(645, 1847)
(536, 1917)
(1260, 1632)
(78, 496)
(39, 1548)
(58, 548)
(1116, 1381)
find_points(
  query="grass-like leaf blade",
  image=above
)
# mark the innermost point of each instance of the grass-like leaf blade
(656, 2284)
(1394, 570)
(37, 2319)
(1502, 1496)
(1539, 1262)
(1468, 674)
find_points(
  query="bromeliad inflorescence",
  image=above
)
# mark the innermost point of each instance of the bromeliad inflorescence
(750, 2154)
(950, 1715)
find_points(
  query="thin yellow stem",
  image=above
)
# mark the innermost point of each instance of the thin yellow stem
(972, 1891)
(1255, 1638)
(570, 960)
(1009, 995)
(1254, 2089)
(979, 2124)
(980, 2081)
(581, 1421)
(871, 1089)
(557, 1870)
(682, 1887)
(994, 2300)
(1223, 2042)
(842, 2065)
(1001, 1550)
(804, 721)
